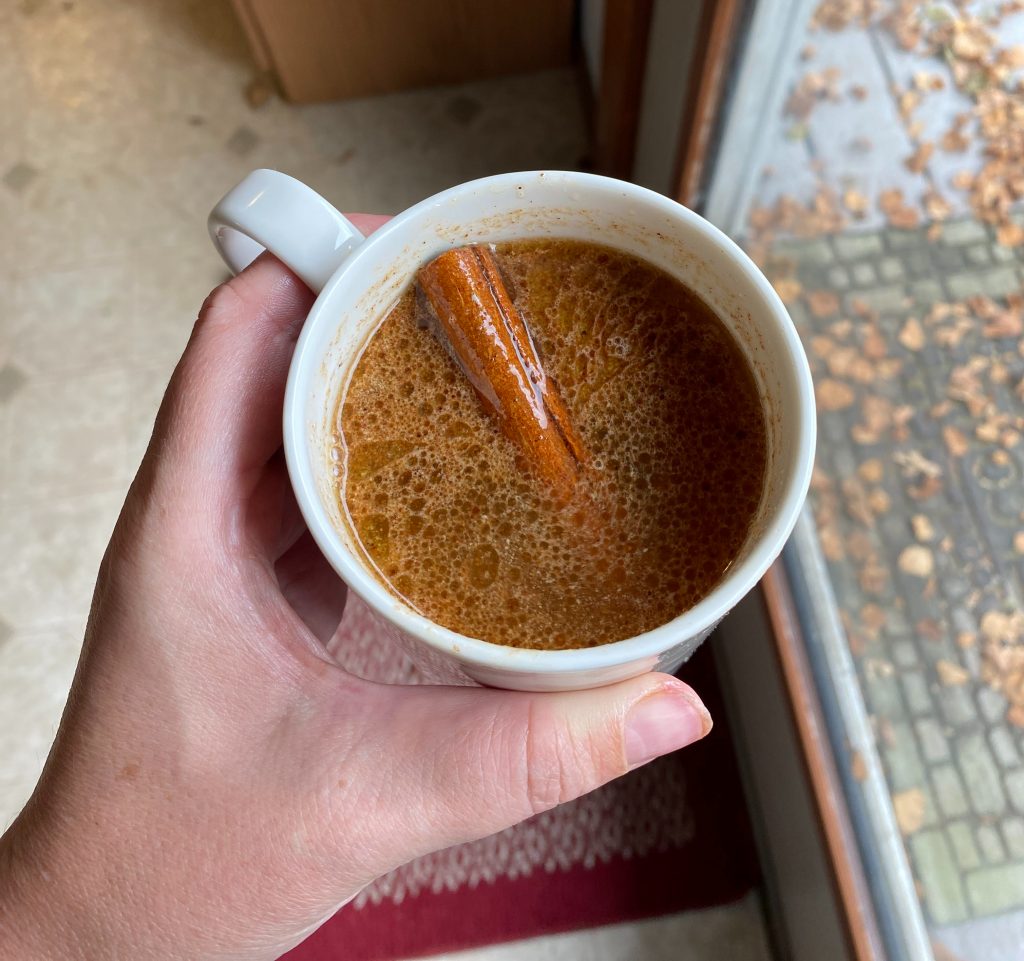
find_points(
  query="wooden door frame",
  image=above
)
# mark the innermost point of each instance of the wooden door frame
(834, 819)
(617, 104)
(624, 45)
(719, 28)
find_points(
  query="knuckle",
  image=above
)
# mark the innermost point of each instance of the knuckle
(221, 304)
(559, 764)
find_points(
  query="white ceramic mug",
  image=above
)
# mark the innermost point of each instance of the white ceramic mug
(357, 281)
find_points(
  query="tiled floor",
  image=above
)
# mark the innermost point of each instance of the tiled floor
(719, 934)
(129, 122)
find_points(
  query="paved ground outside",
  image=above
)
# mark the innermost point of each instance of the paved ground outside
(893, 173)
(918, 361)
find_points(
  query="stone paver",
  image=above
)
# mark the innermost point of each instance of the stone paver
(990, 845)
(934, 743)
(1013, 834)
(981, 775)
(938, 872)
(960, 233)
(957, 707)
(993, 890)
(915, 690)
(996, 282)
(1015, 790)
(961, 837)
(949, 790)
(1004, 748)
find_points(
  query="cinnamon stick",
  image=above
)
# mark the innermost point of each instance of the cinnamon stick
(481, 328)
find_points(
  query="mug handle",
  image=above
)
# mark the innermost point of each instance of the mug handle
(271, 211)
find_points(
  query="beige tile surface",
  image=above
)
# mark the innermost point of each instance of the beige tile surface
(74, 318)
(731, 933)
(122, 124)
(36, 668)
(50, 549)
(69, 434)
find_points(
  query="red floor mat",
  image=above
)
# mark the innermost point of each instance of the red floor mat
(665, 838)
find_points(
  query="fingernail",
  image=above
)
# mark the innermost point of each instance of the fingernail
(662, 722)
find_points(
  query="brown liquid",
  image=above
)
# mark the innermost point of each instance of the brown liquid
(458, 526)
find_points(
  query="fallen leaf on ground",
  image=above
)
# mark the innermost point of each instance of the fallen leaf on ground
(907, 102)
(834, 395)
(855, 202)
(913, 462)
(1010, 234)
(872, 617)
(860, 307)
(890, 199)
(822, 346)
(871, 470)
(918, 160)
(878, 501)
(956, 443)
(925, 81)
(839, 14)
(923, 528)
(1007, 323)
(936, 206)
(899, 214)
(987, 432)
(859, 92)
(909, 807)
(1000, 627)
(856, 501)
(950, 674)
(877, 419)
(1018, 542)
(965, 640)
(788, 288)
(925, 488)
(874, 344)
(843, 328)
(823, 303)
(1012, 57)
(963, 180)
(917, 561)
(954, 141)
(912, 335)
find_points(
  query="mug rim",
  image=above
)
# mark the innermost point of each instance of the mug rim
(737, 582)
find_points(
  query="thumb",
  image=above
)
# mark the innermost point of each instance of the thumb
(469, 762)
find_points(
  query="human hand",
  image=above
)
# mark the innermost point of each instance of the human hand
(219, 785)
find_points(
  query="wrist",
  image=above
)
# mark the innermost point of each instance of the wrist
(38, 922)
